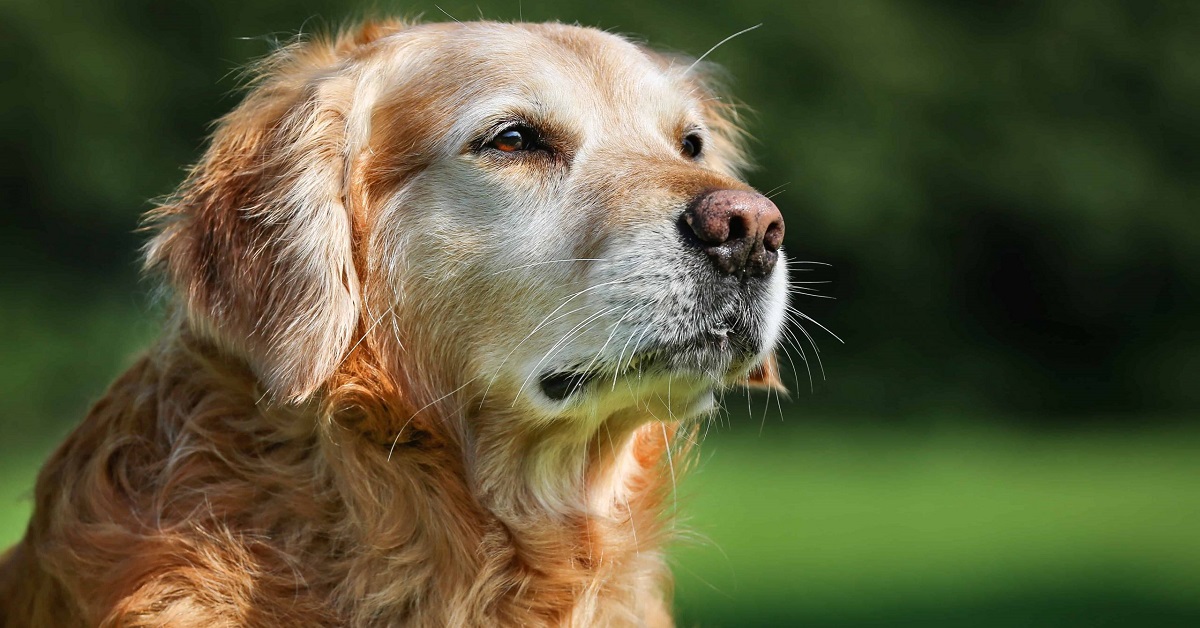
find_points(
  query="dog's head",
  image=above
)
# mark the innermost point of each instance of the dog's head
(543, 217)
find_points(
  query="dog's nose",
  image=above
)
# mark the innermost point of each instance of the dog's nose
(740, 231)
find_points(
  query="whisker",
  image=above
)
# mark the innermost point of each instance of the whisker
(670, 405)
(621, 357)
(423, 408)
(795, 371)
(774, 190)
(777, 192)
(500, 367)
(719, 44)
(365, 334)
(667, 444)
(638, 345)
(791, 337)
(749, 407)
(446, 14)
(553, 261)
(547, 319)
(816, 349)
(670, 464)
(615, 328)
(814, 322)
(766, 409)
(624, 496)
(578, 328)
(645, 330)
(779, 405)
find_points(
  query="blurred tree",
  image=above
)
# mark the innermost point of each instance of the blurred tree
(1006, 191)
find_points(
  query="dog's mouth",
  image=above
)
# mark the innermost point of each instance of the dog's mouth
(562, 385)
(713, 355)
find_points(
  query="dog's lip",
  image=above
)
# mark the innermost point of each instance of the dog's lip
(562, 384)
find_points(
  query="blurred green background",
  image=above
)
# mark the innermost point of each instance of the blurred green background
(1007, 193)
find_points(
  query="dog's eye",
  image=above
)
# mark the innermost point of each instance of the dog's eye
(691, 146)
(513, 139)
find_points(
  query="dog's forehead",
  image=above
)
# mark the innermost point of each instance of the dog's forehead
(554, 66)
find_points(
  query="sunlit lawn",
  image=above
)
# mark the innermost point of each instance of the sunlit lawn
(865, 527)
(861, 526)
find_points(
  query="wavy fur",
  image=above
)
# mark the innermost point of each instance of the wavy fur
(310, 442)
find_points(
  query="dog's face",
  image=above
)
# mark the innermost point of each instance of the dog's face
(551, 237)
(545, 217)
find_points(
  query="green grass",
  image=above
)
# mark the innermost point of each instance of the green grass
(857, 526)
(866, 527)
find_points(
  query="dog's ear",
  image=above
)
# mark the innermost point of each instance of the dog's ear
(765, 376)
(257, 242)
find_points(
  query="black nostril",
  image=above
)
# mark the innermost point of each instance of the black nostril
(774, 236)
(737, 228)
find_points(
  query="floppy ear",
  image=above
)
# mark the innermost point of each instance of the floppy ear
(257, 241)
(765, 376)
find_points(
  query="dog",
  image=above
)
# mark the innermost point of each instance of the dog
(447, 302)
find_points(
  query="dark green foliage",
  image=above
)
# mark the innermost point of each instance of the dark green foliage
(1008, 193)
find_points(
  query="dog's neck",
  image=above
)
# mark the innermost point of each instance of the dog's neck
(345, 518)
(563, 521)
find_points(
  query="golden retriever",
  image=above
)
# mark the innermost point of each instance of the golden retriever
(444, 296)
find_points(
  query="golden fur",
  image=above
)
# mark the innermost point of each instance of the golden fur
(306, 445)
